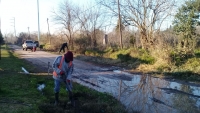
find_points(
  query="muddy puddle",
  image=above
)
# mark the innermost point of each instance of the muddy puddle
(143, 93)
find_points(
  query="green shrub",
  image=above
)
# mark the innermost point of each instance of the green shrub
(41, 46)
(147, 59)
(197, 53)
(114, 55)
(180, 57)
(124, 57)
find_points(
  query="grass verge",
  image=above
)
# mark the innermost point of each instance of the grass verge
(19, 94)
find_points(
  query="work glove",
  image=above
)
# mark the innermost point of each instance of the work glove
(62, 72)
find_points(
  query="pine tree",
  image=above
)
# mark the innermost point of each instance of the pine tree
(186, 21)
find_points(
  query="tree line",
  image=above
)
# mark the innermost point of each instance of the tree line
(139, 22)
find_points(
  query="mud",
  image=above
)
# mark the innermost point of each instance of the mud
(170, 90)
(137, 91)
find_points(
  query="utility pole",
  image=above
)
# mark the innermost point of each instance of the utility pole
(13, 19)
(13, 24)
(120, 29)
(28, 33)
(38, 21)
(48, 34)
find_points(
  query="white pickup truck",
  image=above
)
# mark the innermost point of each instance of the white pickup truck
(28, 44)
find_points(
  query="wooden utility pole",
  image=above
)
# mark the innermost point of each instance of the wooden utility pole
(48, 34)
(13, 22)
(120, 29)
(28, 33)
(38, 20)
(15, 28)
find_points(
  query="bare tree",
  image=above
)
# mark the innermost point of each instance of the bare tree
(83, 17)
(90, 21)
(96, 24)
(65, 16)
(146, 15)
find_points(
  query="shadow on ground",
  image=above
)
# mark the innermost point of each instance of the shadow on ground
(89, 105)
(186, 75)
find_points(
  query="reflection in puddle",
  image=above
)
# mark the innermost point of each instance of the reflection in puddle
(143, 93)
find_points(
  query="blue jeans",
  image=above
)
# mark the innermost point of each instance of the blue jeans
(57, 84)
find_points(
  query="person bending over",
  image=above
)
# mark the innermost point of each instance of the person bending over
(63, 67)
(64, 45)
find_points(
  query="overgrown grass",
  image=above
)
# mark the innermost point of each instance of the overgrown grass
(119, 57)
(19, 94)
(159, 61)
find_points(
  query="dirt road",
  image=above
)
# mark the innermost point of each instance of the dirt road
(44, 61)
(141, 93)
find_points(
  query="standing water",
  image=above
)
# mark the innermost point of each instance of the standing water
(143, 93)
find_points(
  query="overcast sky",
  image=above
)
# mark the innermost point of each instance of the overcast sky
(25, 14)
